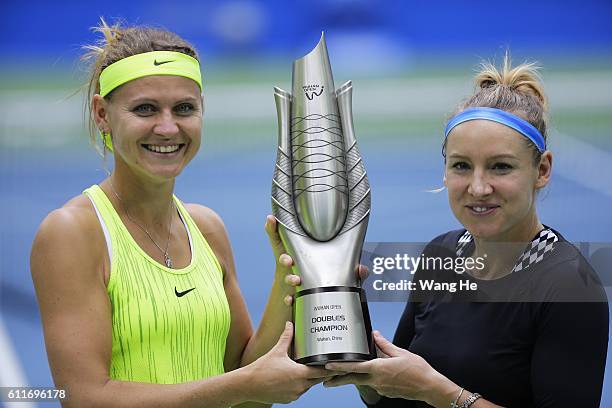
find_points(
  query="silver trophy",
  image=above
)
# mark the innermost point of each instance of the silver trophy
(321, 199)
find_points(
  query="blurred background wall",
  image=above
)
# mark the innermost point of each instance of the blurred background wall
(411, 62)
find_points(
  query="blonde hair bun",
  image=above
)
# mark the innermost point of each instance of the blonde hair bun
(524, 78)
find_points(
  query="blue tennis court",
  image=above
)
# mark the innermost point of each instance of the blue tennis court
(236, 183)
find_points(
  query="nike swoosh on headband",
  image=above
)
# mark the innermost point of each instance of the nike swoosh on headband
(161, 62)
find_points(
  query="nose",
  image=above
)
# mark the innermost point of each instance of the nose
(479, 185)
(166, 124)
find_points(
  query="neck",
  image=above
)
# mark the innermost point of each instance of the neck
(148, 201)
(503, 251)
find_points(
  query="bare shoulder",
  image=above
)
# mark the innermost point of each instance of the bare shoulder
(207, 220)
(75, 219)
(68, 235)
(213, 229)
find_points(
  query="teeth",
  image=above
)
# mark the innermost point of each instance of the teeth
(163, 149)
(481, 209)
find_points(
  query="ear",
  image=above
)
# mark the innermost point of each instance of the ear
(544, 170)
(444, 180)
(99, 112)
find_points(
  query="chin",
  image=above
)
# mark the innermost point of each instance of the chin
(165, 174)
(483, 230)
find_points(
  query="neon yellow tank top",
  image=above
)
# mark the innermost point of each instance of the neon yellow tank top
(164, 331)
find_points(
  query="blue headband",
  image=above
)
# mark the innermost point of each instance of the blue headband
(505, 118)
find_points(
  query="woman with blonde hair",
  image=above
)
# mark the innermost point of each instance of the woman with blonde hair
(535, 332)
(137, 290)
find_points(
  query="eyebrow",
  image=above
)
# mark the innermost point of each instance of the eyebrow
(505, 156)
(152, 100)
(496, 157)
(189, 99)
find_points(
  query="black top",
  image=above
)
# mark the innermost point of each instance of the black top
(543, 345)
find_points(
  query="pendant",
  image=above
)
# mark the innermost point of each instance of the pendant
(168, 261)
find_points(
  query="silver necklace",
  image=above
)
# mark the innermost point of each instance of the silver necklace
(167, 259)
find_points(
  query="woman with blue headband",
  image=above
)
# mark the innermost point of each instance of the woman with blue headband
(137, 290)
(535, 331)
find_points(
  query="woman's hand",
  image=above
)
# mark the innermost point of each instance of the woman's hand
(284, 262)
(278, 379)
(398, 374)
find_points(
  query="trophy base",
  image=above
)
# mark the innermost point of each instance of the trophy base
(332, 324)
(323, 359)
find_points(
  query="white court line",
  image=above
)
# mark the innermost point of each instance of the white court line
(11, 374)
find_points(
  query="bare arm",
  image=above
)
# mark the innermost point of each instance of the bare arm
(278, 309)
(67, 265)
(241, 328)
(245, 347)
(400, 374)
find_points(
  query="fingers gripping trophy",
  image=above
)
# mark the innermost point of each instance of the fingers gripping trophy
(321, 199)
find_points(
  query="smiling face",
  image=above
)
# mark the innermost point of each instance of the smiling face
(492, 180)
(156, 125)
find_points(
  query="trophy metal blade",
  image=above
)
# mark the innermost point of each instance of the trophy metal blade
(318, 163)
(282, 196)
(313, 70)
(359, 186)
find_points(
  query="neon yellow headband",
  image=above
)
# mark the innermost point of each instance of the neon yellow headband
(147, 64)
